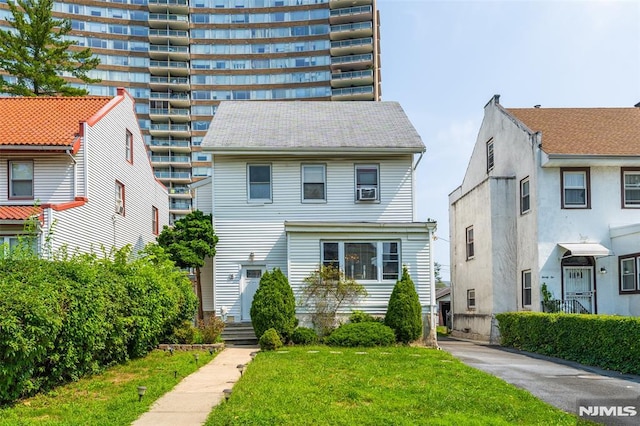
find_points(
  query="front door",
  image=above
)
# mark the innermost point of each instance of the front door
(578, 285)
(248, 286)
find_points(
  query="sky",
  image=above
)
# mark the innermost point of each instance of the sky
(444, 60)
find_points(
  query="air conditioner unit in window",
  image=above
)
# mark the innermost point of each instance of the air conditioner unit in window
(367, 193)
(119, 207)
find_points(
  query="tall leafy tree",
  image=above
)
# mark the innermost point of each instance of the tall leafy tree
(190, 241)
(35, 52)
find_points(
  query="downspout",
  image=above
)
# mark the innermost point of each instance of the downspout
(74, 176)
(430, 338)
(85, 158)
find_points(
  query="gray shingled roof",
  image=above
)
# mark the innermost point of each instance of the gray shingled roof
(311, 126)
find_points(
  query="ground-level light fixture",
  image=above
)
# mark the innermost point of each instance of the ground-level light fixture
(240, 367)
(141, 391)
(227, 394)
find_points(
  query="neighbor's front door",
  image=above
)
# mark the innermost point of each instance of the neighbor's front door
(249, 284)
(578, 285)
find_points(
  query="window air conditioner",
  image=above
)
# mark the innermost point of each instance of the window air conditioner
(119, 207)
(367, 193)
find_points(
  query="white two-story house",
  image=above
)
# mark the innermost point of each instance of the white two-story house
(296, 185)
(550, 199)
(79, 166)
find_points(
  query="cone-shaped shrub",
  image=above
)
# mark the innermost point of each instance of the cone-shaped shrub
(404, 314)
(274, 305)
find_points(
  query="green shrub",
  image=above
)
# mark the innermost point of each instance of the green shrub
(62, 319)
(364, 334)
(361, 316)
(604, 341)
(211, 330)
(404, 314)
(304, 336)
(185, 333)
(274, 305)
(270, 340)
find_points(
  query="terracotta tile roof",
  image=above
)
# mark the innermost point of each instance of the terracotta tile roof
(45, 120)
(590, 131)
(18, 212)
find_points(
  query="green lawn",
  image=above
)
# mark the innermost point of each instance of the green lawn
(383, 386)
(107, 399)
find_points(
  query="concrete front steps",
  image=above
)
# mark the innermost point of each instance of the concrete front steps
(239, 334)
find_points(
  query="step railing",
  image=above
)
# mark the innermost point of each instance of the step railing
(565, 306)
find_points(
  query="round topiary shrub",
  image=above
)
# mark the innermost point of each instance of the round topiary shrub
(274, 305)
(363, 334)
(304, 336)
(270, 340)
(404, 314)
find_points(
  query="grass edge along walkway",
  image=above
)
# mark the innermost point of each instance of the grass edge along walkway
(395, 386)
(110, 398)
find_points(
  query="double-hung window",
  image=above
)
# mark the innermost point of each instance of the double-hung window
(471, 299)
(630, 188)
(314, 188)
(259, 182)
(21, 179)
(367, 182)
(526, 288)
(630, 273)
(525, 196)
(364, 260)
(575, 188)
(470, 243)
(119, 198)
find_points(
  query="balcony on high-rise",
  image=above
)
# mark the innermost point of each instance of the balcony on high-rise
(171, 6)
(173, 83)
(355, 30)
(352, 78)
(169, 129)
(360, 93)
(351, 14)
(352, 62)
(174, 37)
(337, 4)
(167, 144)
(176, 68)
(352, 46)
(160, 51)
(172, 21)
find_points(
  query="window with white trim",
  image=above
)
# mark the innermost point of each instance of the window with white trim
(630, 188)
(630, 273)
(21, 179)
(526, 288)
(314, 183)
(259, 182)
(364, 260)
(11, 243)
(119, 207)
(525, 196)
(575, 188)
(470, 245)
(367, 182)
(471, 299)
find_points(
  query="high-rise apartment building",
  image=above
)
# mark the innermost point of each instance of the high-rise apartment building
(180, 58)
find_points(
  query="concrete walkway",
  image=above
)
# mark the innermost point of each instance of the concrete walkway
(191, 401)
(564, 384)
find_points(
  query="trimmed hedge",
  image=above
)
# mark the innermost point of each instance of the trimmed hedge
(270, 340)
(274, 305)
(62, 319)
(404, 313)
(362, 334)
(304, 336)
(604, 341)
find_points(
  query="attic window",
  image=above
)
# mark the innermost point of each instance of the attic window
(490, 162)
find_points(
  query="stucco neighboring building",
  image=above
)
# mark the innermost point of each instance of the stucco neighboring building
(78, 165)
(551, 198)
(297, 185)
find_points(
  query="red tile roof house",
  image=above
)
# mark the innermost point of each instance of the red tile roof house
(80, 166)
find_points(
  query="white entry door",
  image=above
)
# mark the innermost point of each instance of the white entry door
(248, 285)
(578, 285)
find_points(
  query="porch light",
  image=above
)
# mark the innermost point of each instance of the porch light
(141, 391)
(252, 256)
(603, 270)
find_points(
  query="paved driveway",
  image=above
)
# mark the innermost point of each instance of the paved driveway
(560, 383)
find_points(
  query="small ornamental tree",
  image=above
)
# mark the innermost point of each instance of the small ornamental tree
(325, 291)
(190, 241)
(35, 52)
(404, 314)
(274, 305)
